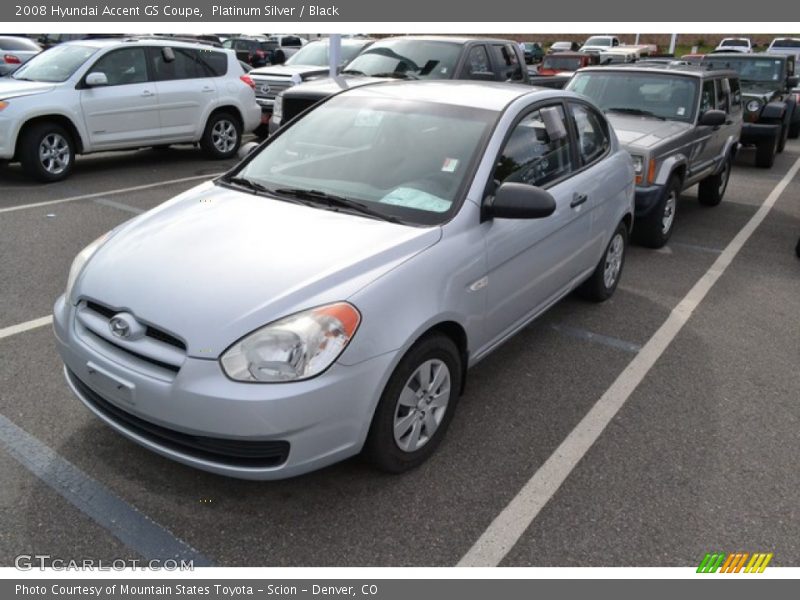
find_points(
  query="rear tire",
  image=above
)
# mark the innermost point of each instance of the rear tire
(712, 188)
(222, 136)
(47, 152)
(794, 129)
(765, 153)
(603, 281)
(416, 406)
(654, 230)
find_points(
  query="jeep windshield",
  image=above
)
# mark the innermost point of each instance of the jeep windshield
(768, 69)
(407, 59)
(400, 161)
(658, 96)
(54, 65)
(562, 63)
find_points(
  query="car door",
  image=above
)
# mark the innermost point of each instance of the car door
(507, 66)
(705, 150)
(532, 262)
(186, 90)
(124, 111)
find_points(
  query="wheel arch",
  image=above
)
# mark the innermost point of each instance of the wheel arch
(61, 120)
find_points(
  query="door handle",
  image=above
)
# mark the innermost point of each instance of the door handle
(147, 94)
(208, 89)
(578, 199)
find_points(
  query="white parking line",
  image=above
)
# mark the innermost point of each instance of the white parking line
(127, 190)
(27, 326)
(118, 205)
(507, 528)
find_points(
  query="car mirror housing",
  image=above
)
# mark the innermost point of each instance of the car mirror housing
(520, 201)
(713, 118)
(96, 79)
(792, 81)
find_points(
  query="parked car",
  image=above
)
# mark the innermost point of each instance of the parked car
(790, 46)
(533, 51)
(15, 51)
(410, 57)
(618, 55)
(106, 94)
(599, 43)
(285, 47)
(48, 40)
(682, 127)
(564, 47)
(771, 111)
(310, 62)
(254, 51)
(734, 45)
(352, 269)
(567, 62)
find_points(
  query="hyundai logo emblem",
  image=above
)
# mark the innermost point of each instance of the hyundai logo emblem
(124, 325)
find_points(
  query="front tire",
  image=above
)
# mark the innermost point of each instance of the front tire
(712, 188)
(603, 281)
(416, 406)
(654, 230)
(765, 153)
(47, 152)
(794, 129)
(222, 136)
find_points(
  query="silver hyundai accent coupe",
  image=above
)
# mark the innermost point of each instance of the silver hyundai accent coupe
(327, 296)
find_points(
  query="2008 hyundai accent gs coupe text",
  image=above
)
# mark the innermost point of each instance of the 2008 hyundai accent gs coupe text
(328, 294)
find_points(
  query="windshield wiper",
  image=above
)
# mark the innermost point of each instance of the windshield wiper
(395, 75)
(333, 201)
(244, 182)
(636, 111)
(354, 72)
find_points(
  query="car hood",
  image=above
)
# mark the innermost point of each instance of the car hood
(761, 91)
(14, 88)
(644, 132)
(333, 85)
(214, 264)
(288, 71)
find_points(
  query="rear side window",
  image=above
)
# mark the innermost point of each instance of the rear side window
(592, 130)
(531, 155)
(190, 63)
(291, 41)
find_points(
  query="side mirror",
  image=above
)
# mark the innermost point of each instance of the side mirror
(168, 54)
(713, 118)
(520, 201)
(246, 149)
(96, 79)
(792, 81)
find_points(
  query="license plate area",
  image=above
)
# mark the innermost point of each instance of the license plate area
(110, 386)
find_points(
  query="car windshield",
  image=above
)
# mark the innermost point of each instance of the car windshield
(648, 95)
(734, 43)
(786, 43)
(406, 161)
(18, 44)
(317, 54)
(408, 59)
(766, 69)
(54, 65)
(598, 41)
(563, 63)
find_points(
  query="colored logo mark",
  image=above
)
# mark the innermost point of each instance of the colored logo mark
(734, 562)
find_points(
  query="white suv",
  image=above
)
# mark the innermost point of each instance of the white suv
(114, 94)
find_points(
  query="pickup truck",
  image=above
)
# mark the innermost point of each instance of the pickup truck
(599, 43)
(789, 46)
(412, 58)
(567, 62)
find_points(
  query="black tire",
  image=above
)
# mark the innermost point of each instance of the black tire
(794, 129)
(783, 136)
(654, 230)
(54, 168)
(765, 153)
(222, 136)
(597, 288)
(162, 147)
(711, 190)
(381, 447)
(797, 249)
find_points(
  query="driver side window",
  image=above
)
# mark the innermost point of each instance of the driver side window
(122, 67)
(707, 97)
(538, 150)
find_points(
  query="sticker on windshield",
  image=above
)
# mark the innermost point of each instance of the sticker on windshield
(681, 111)
(413, 198)
(450, 165)
(368, 118)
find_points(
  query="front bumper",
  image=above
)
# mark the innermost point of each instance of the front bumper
(753, 133)
(646, 199)
(7, 137)
(207, 421)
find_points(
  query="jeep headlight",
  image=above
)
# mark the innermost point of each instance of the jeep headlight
(296, 347)
(277, 107)
(753, 105)
(80, 262)
(638, 164)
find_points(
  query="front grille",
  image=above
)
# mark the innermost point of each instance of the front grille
(252, 454)
(152, 332)
(293, 107)
(147, 359)
(276, 86)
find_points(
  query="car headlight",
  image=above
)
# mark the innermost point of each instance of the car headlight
(3, 105)
(80, 262)
(296, 347)
(638, 164)
(753, 105)
(277, 107)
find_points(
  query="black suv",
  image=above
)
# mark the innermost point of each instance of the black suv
(771, 112)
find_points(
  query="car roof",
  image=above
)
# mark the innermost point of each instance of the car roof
(443, 38)
(697, 71)
(110, 42)
(469, 94)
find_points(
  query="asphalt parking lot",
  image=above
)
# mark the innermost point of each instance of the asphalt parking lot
(702, 456)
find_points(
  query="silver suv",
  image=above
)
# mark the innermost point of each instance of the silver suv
(681, 125)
